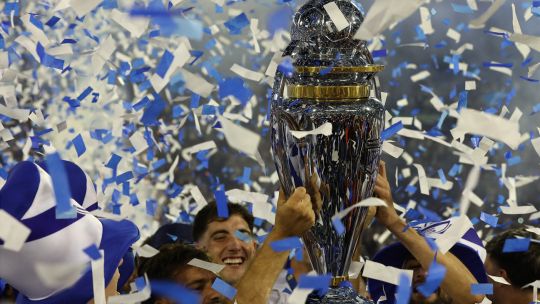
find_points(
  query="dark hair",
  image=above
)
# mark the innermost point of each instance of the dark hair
(171, 259)
(209, 214)
(522, 268)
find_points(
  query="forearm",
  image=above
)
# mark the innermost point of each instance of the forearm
(458, 280)
(256, 284)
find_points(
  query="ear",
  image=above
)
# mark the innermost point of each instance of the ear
(504, 275)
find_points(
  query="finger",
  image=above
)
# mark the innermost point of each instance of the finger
(297, 195)
(281, 198)
(382, 168)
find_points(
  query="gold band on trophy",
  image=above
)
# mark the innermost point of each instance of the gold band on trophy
(328, 93)
(337, 280)
(340, 69)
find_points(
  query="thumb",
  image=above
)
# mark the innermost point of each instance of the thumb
(281, 198)
(297, 196)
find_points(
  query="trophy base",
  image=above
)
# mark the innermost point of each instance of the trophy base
(342, 295)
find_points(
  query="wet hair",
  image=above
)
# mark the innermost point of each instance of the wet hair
(522, 268)
(171, 259)
(209, 214)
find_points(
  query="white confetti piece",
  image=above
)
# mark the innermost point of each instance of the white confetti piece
(392, 150)
(382, 14)
(424, 186)
(324, 129)
(481, 21)
(83, 7)
(246, 73)
(103, 54)
(139, 142)
(388, 274)
(197, 84)
(146, 251)
(531, 41)
(425, 21)
(516, 210)
(240, 138)
(470, 85)
(455, 232)
(420, 76)
(136, 26)
(480, 123)
(207, 145)
(12, 232)
(98, 279)
(499, 280)
(523, 49)
(470, 185)
(336, 15)
(368, 202)
(454, 35)
(212, 267)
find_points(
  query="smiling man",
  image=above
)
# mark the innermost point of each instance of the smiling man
(217, 237)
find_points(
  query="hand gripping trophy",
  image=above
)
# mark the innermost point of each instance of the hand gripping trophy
(332, 82)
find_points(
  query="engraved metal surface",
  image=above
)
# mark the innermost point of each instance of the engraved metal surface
(338, 170)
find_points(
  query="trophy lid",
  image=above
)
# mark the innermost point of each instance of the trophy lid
(323, 35)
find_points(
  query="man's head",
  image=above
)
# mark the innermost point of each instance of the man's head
(217, 237)
(170, 264)
(518, 268)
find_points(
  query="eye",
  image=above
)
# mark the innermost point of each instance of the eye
(219, 237)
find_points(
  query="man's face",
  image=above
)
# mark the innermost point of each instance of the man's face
(419, 277)
(200, 280)
(223, 247)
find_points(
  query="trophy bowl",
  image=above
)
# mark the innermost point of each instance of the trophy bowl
(332, 86)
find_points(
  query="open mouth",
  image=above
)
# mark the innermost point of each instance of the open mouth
(236, 261)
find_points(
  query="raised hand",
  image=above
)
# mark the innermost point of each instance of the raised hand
(294, 215)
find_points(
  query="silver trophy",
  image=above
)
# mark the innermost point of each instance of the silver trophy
(332, 80)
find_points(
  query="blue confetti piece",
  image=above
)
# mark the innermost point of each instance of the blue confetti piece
(442, 176)
(286, 67)
(391, 131)
(172, 237)
(462, 103)
(12, 7)
(93, 252)
(236, 24)
(516, 245)
(113, 161)
(246, 238)
(47, 60)
(225, 289)
(78, 143)
(286, 244)
(404, 290)
(52, 21)
(151, 206)
(434, 279)
(153, 110)
(64, 209)
(489, 219)
(85, 93)
(236, 87)
(122, 178)
(221, 202)
(338, 225)
(379, 53)
(536, 109)
(164, 64)
(498, 65)
(482, 289)
(174, 291)
(318, 282)
(513, 161)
